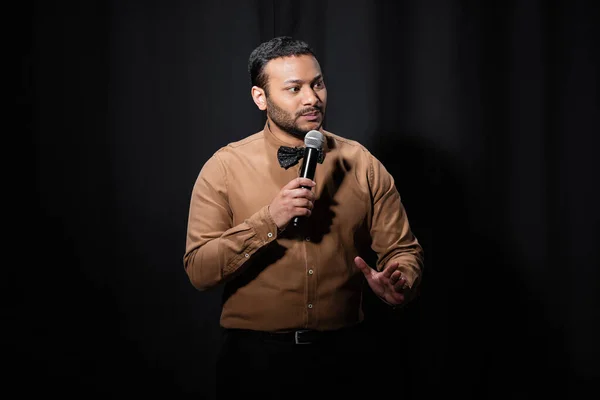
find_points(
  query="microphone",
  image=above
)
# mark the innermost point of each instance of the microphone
(314, 143)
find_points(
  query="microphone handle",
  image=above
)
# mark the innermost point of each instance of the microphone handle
(309, 164)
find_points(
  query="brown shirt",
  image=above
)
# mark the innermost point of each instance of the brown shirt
(303, 277)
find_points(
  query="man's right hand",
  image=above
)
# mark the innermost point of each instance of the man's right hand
(292, 201)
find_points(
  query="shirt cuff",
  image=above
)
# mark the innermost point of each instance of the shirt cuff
(263, 225)
(410, 275)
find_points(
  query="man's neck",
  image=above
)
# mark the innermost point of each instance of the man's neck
(283, 135)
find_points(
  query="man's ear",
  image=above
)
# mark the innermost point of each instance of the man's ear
(260, 98)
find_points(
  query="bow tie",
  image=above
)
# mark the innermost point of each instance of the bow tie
(289, 156)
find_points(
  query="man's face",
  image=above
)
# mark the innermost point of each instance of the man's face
(296, 94)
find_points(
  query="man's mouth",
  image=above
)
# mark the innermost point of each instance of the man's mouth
(312, 115)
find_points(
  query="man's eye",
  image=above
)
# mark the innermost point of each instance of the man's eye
(294, 89)
(319, 84)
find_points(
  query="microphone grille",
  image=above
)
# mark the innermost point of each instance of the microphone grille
(314, 139)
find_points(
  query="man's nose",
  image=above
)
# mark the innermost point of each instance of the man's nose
(309, 98)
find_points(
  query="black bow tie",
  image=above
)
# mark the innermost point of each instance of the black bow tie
(289, 156)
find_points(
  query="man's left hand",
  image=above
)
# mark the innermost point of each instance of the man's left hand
(390, 285)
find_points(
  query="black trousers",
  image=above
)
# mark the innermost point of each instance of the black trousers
(334, 366)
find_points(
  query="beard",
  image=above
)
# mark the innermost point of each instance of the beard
(287, 122)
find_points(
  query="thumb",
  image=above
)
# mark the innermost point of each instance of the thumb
(364, 267)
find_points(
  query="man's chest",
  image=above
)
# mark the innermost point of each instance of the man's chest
(341, 200)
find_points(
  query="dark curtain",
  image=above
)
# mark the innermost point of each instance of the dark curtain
(486, 113)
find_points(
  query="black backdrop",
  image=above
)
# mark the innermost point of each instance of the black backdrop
(486, 113)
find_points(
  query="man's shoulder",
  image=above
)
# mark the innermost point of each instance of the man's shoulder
(239, 146)
(248, 140)
(344, 144)
(252, 139)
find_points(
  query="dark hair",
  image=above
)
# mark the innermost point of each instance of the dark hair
(283, 46)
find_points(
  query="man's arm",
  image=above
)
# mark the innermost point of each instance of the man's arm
(392, 238)
(215, 249)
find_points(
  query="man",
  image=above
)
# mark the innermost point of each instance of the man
(292, 300)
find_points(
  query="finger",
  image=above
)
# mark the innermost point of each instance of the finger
(395, 276)
(390, 269)
(399, 298)
(400, 286)
(301, 192)
(298, 182)
(302, 212)
(302, 203)
(363, 266)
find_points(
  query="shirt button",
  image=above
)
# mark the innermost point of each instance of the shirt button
(269, 234)
(309, 305)
(310, 271)
(246, 255)
(307, 239)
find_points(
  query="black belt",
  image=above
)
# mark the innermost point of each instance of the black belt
(301, 336)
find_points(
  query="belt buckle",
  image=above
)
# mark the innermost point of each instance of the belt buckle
(297, 337)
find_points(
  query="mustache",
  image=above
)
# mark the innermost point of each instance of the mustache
(308, 111)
